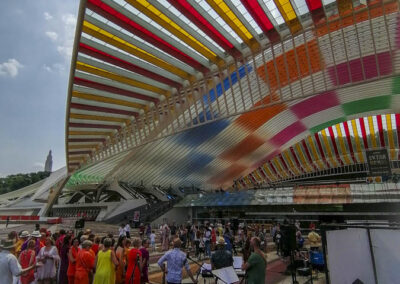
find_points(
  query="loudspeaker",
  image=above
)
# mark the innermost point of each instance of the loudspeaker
(289, 237)
(80, 224)
(235, 223)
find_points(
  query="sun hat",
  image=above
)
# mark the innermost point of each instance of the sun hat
(36, 234)
(24, 234)
(83, 238)
(7, 244)
(221, 241)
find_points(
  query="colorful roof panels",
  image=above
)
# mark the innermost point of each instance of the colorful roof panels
(206, 91)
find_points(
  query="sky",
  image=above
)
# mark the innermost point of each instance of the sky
(35, 53)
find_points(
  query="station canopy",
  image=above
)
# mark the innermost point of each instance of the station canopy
(208, 92)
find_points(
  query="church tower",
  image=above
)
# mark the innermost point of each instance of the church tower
(49, 163)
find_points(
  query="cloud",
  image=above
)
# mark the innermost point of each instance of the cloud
(56, 67)
(10, 67)
(47, 16)
(52, 35)
(65, 50)
(69, 19)
(66, 41)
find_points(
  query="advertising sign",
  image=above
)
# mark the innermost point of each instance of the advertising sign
(378, 162)
(136, 216)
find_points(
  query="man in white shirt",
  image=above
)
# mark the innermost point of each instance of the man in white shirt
(127, 230)
(121, 230)
(9, 265)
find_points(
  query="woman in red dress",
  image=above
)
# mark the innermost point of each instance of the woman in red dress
(26, 259)
(72, 255)
(134, 264)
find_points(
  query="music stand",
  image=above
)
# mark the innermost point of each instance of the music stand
(205, 272)
(209, 271)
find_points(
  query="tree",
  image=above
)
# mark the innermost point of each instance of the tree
(17, 181)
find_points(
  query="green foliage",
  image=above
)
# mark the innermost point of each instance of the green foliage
(14, 182)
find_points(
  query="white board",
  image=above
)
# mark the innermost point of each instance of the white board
(349, 256)
(386, 245)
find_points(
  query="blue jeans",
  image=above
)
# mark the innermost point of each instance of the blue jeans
(208, 248)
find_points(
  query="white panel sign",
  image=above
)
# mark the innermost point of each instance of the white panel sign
(349, 256)
(387, 255)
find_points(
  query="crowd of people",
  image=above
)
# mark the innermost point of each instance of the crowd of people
(203, 237)
(65, 258)
(68, 258)
(220, 242)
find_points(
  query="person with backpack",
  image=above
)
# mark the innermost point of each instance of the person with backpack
(273, 231)
(201, 245)
(278, 240)
(299, 239)
(197, 237)
(182, 234)
(261, 236)
(173, 229)
(207, 241)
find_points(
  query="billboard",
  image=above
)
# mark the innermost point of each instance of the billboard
(322, 194)
(136, 216)
(378, 162)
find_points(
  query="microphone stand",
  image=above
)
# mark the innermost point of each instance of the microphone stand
(137, 264)
(210, 271)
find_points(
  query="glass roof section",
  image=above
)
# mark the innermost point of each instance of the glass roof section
(160, 28)
(246, 15)
(219, 20)
(270, 8)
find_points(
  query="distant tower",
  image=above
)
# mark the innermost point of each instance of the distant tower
(49, 163)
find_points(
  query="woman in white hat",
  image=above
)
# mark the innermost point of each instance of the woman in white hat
(23, 237)
(36, 237)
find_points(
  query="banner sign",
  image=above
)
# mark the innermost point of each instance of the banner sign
(136, 216)
(378, 162)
